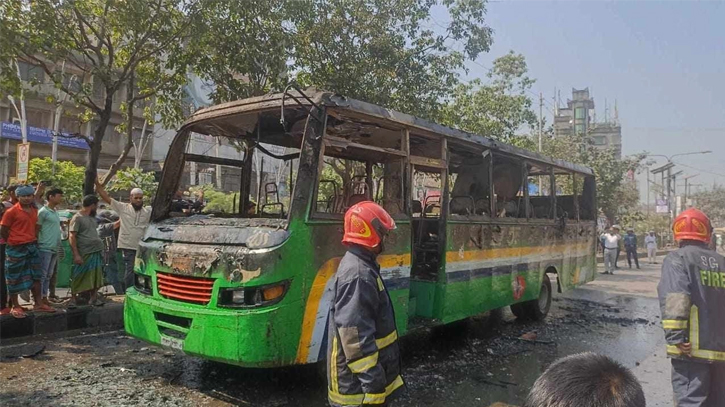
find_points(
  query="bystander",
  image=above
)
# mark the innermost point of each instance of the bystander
(134, 218)
(22, 262)
(87, 247)
(49, 238)
(108, 225)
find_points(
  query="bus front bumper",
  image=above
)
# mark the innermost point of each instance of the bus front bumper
(251, 338)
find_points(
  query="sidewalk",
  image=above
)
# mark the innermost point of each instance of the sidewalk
(642, 256)
(81, 317)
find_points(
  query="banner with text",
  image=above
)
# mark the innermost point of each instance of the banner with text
(37, 135)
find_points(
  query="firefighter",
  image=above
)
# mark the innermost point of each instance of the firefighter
(692, 297)
(363, 359)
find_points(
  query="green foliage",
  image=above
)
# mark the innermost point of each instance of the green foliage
(217, 201)
(712, 202)
(68, 177)
(130, 178)
(110, 45)
(381, 52)
(497, 109)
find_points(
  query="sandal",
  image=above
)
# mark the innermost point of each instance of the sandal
(18, 313)
(43, 308)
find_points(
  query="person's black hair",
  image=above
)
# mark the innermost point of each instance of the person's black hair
(89, 200)
(584, 380)
(12, 188)
(53, 192)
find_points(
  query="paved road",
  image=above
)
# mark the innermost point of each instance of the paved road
(476, 363)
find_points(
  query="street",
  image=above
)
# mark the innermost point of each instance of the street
(475, 363)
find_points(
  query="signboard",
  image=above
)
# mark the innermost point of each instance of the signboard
(22, 162)
(661, 206)
(37, 135)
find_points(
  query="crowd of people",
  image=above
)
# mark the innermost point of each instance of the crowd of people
(31, 234)
(612, 241)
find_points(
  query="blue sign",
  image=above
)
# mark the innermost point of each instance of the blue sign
(43, 136)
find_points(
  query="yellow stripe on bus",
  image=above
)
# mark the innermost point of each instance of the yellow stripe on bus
(497, 253)
(327, 270)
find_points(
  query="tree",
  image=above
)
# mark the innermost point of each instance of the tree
(111, 45)
(380, 52)
(498, 109)
(712, 202)
(67, 176)
(130, 178)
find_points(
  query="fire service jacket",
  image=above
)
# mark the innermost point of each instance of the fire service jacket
(692, 300)
(363, 359)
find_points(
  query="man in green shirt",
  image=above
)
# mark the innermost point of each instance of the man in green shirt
(87, 247)
(49, 239)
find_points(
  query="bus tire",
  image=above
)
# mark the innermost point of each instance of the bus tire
(537, 309)
(519, 311)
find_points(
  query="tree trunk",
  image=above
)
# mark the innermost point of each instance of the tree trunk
(95, 152)
(129, 133)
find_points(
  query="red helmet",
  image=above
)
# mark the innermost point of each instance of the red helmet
(366, 223)
(692, 224)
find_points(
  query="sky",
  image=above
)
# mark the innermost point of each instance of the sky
(662, 61)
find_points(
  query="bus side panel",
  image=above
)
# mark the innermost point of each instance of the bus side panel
(327, 250)
(583, 264)
(492, 266)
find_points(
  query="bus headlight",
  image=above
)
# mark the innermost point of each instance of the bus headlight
(251, 297)
(142, 283)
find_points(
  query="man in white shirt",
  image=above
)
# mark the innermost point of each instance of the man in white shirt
(134, 217)
(611, 243)
(650, 241)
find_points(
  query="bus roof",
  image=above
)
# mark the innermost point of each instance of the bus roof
(358, 107)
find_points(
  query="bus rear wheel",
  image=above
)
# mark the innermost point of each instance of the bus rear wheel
(535, 309)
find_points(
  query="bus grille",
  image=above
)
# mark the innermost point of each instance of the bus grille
(187, 289)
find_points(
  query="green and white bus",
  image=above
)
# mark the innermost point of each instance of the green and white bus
(481, 225)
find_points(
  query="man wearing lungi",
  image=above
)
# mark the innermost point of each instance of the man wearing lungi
(87, 247)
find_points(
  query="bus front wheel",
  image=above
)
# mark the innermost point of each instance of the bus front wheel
(535, 309)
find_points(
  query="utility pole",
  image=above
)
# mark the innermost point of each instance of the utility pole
(541, 130)
(687, 190)
(647, 192)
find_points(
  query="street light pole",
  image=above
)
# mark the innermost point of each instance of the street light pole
(668, 168)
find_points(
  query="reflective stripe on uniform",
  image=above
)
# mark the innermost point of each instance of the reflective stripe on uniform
(363, 364)
(674, 324)
(367, 398)
(695, 339)
(333, 366)
(387, 340)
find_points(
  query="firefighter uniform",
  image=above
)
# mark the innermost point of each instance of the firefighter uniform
(363, 364)
(692, 303)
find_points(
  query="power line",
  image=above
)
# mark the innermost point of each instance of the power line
(699, 169)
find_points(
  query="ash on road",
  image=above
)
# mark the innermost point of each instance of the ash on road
(474, 363)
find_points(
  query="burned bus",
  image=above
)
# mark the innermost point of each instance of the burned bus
(481, 225)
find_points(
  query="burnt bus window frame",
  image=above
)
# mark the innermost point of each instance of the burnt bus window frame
(399, 157)
(167, 188)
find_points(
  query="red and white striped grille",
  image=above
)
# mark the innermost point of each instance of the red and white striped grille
(187, 289)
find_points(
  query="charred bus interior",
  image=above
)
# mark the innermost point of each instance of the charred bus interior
(253, 161)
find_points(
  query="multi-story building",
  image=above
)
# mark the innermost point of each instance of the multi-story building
(40, 115)
(579, 117)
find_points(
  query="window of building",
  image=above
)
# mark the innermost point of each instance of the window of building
(580, 128)
(30, 72)
(580, 113)
(599, 140)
